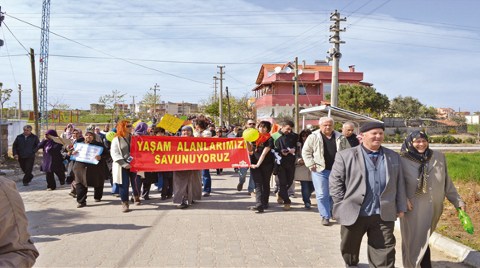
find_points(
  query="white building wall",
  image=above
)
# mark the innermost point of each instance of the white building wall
(472, 119)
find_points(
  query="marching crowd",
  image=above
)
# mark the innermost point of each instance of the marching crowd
(359, 183)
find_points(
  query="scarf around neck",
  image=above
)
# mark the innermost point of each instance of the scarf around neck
(408, 151)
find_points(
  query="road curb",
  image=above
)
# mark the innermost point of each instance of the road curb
(455, 249)
(452, 248)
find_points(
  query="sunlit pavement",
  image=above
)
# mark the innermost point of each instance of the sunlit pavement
(217, 231)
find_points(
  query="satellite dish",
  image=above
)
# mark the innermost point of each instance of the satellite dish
(300, 72)
(288, 70)
(278, 69)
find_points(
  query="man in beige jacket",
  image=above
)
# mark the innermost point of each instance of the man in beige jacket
(318, 153)
(16, 248)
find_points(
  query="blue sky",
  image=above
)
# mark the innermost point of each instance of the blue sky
(427, 49)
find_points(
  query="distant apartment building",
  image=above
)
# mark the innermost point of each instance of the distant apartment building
(181, 108)
(96, 108)
(275, 90)
(444, 113)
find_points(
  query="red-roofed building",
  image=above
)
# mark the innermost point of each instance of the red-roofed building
(275, 90)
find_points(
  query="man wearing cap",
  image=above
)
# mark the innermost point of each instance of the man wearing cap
(318, 153)
(368, 191)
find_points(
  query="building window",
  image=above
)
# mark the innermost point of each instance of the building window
(301, 90)
(327, 89)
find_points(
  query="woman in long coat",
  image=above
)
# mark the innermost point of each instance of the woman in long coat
(186, 183)
(52, 162)
(120, 152)
(90, 174)
(427, 184)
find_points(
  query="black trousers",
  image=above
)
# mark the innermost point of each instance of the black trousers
(51, 178)
(261, 176)
(381, 241)
(82, 193)
(167, 188)
(286, 173)
(26, 164)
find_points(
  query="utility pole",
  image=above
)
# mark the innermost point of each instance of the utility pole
(133, 105)
(221, 95)
(334, 54)
(34, 92)
(155, 88)
(228, 105)
(296, 95)
(215, 88)
(19, 101)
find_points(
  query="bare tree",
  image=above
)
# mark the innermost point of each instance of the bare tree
(112, 101)
(5, 95)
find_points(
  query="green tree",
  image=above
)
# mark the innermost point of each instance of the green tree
(362, 99)
(406, 108)
(239, 109)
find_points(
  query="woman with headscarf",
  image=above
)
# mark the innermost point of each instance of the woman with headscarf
(120, 152)
(75, 137)
(90, 174)
(67, 132)
(143, 181)
(52, 162)
(427, 185)
(186, 183)
(261, 168)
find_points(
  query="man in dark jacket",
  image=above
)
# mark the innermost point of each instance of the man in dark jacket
(285, 144)
(23, 151)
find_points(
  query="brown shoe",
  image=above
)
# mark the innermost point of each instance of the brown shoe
(125, 207)
(286, 207)
(279, 199)
(137, 200)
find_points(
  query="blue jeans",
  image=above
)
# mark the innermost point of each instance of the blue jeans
(207, 181)
(324, 202)
(115, 188)
(127, 176)
(242, 173)
(307, 190)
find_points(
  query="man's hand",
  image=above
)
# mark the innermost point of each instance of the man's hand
(409, 205)
(16, 157)
(400, 214)
(313, 168)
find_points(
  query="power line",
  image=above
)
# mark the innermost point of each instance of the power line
(14, 37)
(115, 57)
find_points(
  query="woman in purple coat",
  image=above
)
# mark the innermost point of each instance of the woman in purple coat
(52, 160)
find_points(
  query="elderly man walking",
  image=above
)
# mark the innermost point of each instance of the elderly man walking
(318, 153)
(23, 149)
(368, 191)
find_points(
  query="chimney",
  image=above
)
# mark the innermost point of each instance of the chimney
(352, 68)
(304, 64)
(321, 63)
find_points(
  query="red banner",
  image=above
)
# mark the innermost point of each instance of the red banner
(162, 153)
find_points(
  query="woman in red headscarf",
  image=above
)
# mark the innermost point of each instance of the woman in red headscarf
(52, 162)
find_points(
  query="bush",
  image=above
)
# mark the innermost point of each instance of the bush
(445, 139)
(470, 140)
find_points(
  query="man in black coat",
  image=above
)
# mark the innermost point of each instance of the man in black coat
(285, 145)
(23, 151)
